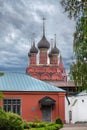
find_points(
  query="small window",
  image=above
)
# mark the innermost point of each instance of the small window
(12, 105)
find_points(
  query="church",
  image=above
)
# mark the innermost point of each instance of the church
(48, 66)
(27, 95)
(38, 93)
(52, 71)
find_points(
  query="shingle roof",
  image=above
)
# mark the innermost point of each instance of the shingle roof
(23, 82)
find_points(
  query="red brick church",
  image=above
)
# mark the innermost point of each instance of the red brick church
(30, 97)
(50, 67)
(52, 71)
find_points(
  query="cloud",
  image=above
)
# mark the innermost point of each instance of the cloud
(19, 19)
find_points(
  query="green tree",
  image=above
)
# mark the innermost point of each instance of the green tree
(1, 94)
(78, 70)
(75, 8)
(80, 39)
(78, 73)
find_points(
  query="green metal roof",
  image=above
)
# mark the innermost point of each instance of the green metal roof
(23, 82)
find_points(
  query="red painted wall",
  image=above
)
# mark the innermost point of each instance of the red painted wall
(31, 107)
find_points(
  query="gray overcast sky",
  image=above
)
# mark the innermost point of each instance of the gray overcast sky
(19, 19)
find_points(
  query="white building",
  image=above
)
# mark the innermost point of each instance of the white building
(76, 108)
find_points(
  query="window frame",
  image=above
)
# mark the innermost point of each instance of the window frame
(12, 103)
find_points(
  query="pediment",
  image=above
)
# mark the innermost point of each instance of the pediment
(47, 101)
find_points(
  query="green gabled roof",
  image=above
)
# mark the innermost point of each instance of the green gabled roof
(23, 82)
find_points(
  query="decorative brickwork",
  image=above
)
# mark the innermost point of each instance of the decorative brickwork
(47, 73)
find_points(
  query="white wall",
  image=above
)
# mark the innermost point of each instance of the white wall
(66, 111)
(78, 107)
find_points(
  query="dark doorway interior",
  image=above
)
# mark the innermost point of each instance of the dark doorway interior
(46, 113)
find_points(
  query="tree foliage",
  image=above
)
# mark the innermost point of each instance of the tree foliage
(1, 94)
(79, 73)
(78, 70)
(1, 73)
(80, 39)
(75, 8)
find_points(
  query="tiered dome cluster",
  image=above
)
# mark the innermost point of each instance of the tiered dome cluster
(43, 43)
(48, 67)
